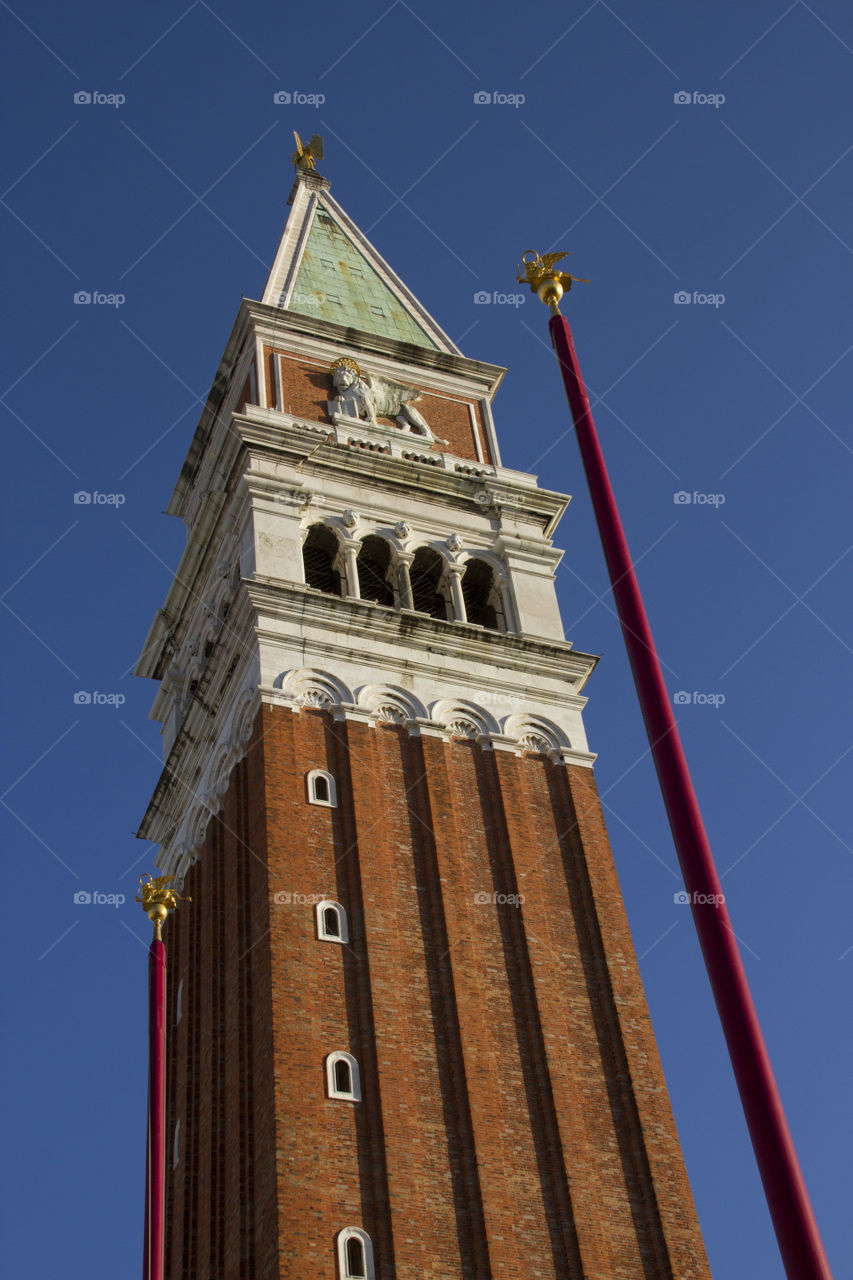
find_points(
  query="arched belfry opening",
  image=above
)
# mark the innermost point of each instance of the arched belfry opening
(374, 563)
(319, 554)
(482, 596)
(428, 593)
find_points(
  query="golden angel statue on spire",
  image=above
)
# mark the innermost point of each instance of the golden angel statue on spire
(307, 153)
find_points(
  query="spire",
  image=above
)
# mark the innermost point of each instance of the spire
(336, 281)
(326, 267)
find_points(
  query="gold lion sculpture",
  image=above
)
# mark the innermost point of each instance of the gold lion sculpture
(157, 901)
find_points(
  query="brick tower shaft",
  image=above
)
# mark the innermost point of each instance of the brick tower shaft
(408, 1038)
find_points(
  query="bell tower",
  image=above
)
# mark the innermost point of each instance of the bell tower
(407, 1033)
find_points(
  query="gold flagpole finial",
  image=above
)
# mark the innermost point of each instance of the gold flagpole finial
(157, 901)
(548, 285)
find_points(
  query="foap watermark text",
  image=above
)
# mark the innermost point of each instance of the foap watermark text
(683, 498)
(83, 898)
(95, 698)
(483, 298)
(294, 98)
(94, 98)
(683, 899)
(284, 898)
(482, 696)
(684, 298)
(312, 299)
(495, 98)
(499, 899)
(94, 498)
(97, 298)
(696, 699)
(685, 98)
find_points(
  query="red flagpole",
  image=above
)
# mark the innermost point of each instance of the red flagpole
(155, 1157)
(157, 901)
(790, 1209)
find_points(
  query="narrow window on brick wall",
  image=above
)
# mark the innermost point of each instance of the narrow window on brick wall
(355, 1254)
(179, 1002)
(176, 1146)
(331, 922)
(322, 789)
(342, 1078)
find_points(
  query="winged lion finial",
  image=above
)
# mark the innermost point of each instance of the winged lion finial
(548, 284)
(157, 901)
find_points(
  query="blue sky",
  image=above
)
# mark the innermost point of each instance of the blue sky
(170, 203)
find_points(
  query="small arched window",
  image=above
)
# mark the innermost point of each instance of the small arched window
(322, 789)
(428, 595)
(374, 561)
(342, 1077)
(355, 1254)
(483, 604)
(331, 922)
(319, 553)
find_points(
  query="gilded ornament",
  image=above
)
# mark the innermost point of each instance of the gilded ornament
(548, 285)
(157, 901)
(306, 153)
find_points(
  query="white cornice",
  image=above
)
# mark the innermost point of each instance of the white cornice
(443, 474)
(463, 383)
(424, 640)
(313, 333)
(197, 774)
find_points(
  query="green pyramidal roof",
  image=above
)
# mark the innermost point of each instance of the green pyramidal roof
(336, 282)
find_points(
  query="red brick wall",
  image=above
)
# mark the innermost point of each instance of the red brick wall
(514, 1120)
(221, 1198)
(649, 1128)
(305, 390)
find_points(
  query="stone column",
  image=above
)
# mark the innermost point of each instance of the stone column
(351, 550)
(404, 581)
(455, 572)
